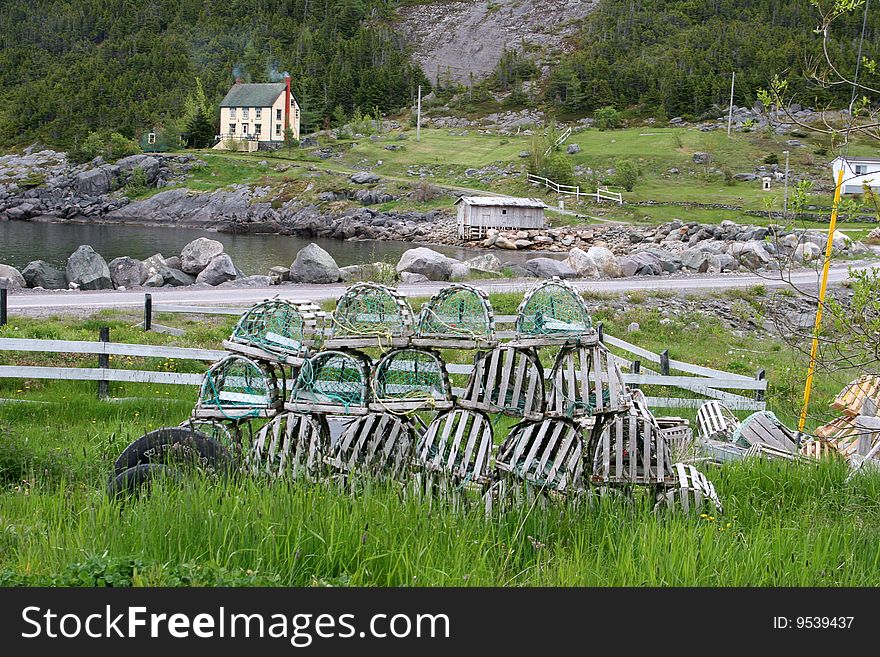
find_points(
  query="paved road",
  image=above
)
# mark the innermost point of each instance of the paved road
(76, 302)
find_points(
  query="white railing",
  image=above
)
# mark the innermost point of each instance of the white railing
(560, 140)
(605, 194)
(601, 194)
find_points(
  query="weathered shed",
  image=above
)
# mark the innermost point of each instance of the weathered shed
(477, 214)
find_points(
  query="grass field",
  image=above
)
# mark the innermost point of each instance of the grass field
(784, 524)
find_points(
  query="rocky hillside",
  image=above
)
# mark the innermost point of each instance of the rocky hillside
(454, 40)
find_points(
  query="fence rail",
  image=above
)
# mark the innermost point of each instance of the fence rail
(601, 193)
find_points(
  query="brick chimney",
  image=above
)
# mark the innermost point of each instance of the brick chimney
(286, 102)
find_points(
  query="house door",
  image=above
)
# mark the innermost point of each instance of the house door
(485, 222)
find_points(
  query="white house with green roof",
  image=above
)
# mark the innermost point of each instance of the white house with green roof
(258, 113)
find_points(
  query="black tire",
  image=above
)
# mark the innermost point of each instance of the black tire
(178, 446)
(129, 482)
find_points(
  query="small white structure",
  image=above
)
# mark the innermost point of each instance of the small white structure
(766, 180)
(857, 172)
(477, 214)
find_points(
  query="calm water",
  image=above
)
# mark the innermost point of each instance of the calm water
(21, 242)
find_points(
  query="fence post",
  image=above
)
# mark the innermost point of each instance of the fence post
(600, 329)
(148, 312)
(635, 368)
(4, 295)
(760, 376)
(104, 361)
(664, 363)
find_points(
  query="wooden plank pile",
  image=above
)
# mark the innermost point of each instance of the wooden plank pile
(855, 434)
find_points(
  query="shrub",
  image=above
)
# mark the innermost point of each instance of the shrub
(626, 175)
(773, 158)
(559, 169)
(607, 118)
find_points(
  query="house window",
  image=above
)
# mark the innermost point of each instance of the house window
(257, 128)
(277, 129)
(151, 138)
(244, 128)
(861, 169)
(231, 128)
(245, 113)
(258, 113)
(277, 115)
(232, 113)
(292, 100)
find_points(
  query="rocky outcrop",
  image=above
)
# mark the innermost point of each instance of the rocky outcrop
(41, 274)
(314, 265)
(88, 270)
(127, 272)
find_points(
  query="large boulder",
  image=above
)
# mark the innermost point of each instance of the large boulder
(485, 263)
(88, 270)
(751, 255)
(605, 261)
(696, 260)
(41, 274)
(175, 277)
(459, 271)
(702, 158)
(11, 278)
(94, 182)
(364, 178)
(154, 263)
(431, 264)
(314, 265)
(197, 254)
(641, 263)
(548, 268)
(219, 270)
(582, 263)
(806, 252)
(127, 272)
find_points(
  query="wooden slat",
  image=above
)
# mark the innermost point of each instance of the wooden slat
(110, 348)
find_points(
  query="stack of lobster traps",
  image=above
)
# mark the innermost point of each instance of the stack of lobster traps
(365, 393)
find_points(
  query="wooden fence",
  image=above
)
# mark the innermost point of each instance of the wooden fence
(737, 391)
(601, 193)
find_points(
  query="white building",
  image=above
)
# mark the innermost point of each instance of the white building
(857, 172)
(258, 113)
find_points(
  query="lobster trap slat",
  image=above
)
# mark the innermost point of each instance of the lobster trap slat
(716, 422)
(458, 317)
(278, 330)
(553, 312)
(369, 314)
(334, 382)
(238, 388)
(291, 445)
(506, 380)
(632, 450)
(544, 455)
(765, 428)
(586, 381)
(692, 493)
(377, 444)
(410, 379)
(456, 449)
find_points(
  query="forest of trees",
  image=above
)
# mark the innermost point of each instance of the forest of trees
(72, 67)
(675, 57)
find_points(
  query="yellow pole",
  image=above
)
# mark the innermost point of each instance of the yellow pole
(823, 286)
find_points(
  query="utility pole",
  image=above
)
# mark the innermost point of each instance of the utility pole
(785, 201)
(730, 109)
(419, 117)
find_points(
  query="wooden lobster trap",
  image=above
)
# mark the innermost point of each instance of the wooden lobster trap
(543, 457)
(692, 493)
(458, 317)
(376, 445)
(853, 397)
(278, 330)
(553, 312)
(410, 379)
(332, 382)
(454, 454)
(631, 449)
(586, 380)
(507, 380)
(370, 315)
(716, 422)
(238, 388)
(764, 428)
(290, 446)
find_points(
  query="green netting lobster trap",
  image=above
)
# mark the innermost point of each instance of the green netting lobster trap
(586, 380)
(238, 388)
(506, 380)
(278, 330)
(368, 314)
(553, 312)
(332, 381)
(457, 317)
(411, 379)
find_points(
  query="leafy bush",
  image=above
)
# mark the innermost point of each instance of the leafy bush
(112, 146)
(626, 175)
(773, 158)
(137, 183)
(607, 118)
(559, 169)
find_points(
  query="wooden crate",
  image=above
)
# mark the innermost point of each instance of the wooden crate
(371, 315)
(377, 445)
(457, 317)
(852, 398)
(237, 388)
(716, 422)
(334, 381)
(586, 381)
(279, 331)
(410, 379)
(691, 493)
(554, 312)
(506, 380)
(292, 445)
(764, 428)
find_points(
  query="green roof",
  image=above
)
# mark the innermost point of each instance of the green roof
(253, 95)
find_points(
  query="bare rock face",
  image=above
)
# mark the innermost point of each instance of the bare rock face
(127, 272)
(196, 255)
(11, 278)
(314, 265)
(88, 270)
(41, 274)
(220, 270)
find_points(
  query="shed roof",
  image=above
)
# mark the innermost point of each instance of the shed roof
(502, 201)
(858, 159)
(254, 95)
